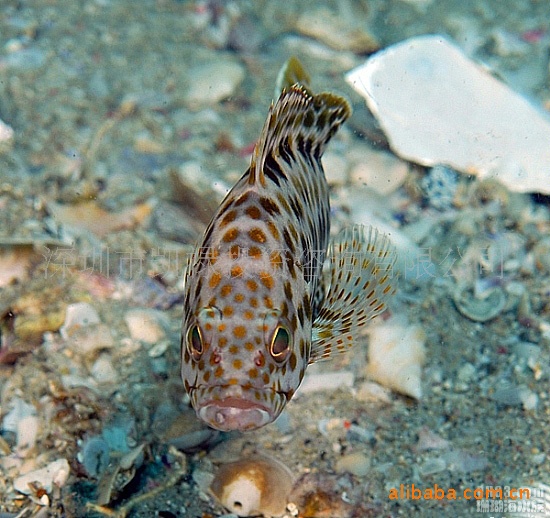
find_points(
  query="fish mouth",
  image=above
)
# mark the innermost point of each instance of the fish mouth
(228, 408)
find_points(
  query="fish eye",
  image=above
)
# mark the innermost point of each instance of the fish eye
(280, 344)
(194, 342)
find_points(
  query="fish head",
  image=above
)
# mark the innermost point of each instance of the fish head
(239, 371)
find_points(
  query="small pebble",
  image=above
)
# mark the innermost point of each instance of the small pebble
(213, 82)
(144, 325)
(6, 137)
(327, 381)
(431, 466)
(19, 410)
(378, 170)
(513, 395)
(88, 341)
(458, 460)
(373, 393)
(27, 433)
(103, 370)
(466, 372)
(25, 59)
(439, 186)
(428, 440)
(356, 463)
(335, 31)
(77, 316)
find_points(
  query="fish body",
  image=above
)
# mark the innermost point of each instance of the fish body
(256, 310)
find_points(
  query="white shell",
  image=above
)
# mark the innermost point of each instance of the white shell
(55, 473)
(396, 356)
(436, 106)
(254, 486)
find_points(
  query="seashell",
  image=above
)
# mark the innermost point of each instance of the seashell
(54, 474)
(480, 309)
(396, 355)
(252, 486)
(321, 495)
(438, 107)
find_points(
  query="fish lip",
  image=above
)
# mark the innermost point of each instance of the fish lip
(230, 407)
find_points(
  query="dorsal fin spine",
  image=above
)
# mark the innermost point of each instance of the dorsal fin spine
(298, 115)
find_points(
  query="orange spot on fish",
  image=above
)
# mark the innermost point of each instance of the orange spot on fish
(230, 235)
(239, 332)
(257, 234)
(236, 271)
(214, 280)
(226, 290)
(267, 280)
(241, 199)
(276, 260)
(254, 252)
(273, 229)
(228, 218)
(253, 212)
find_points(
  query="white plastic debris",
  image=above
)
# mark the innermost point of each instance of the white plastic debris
(436, 106)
